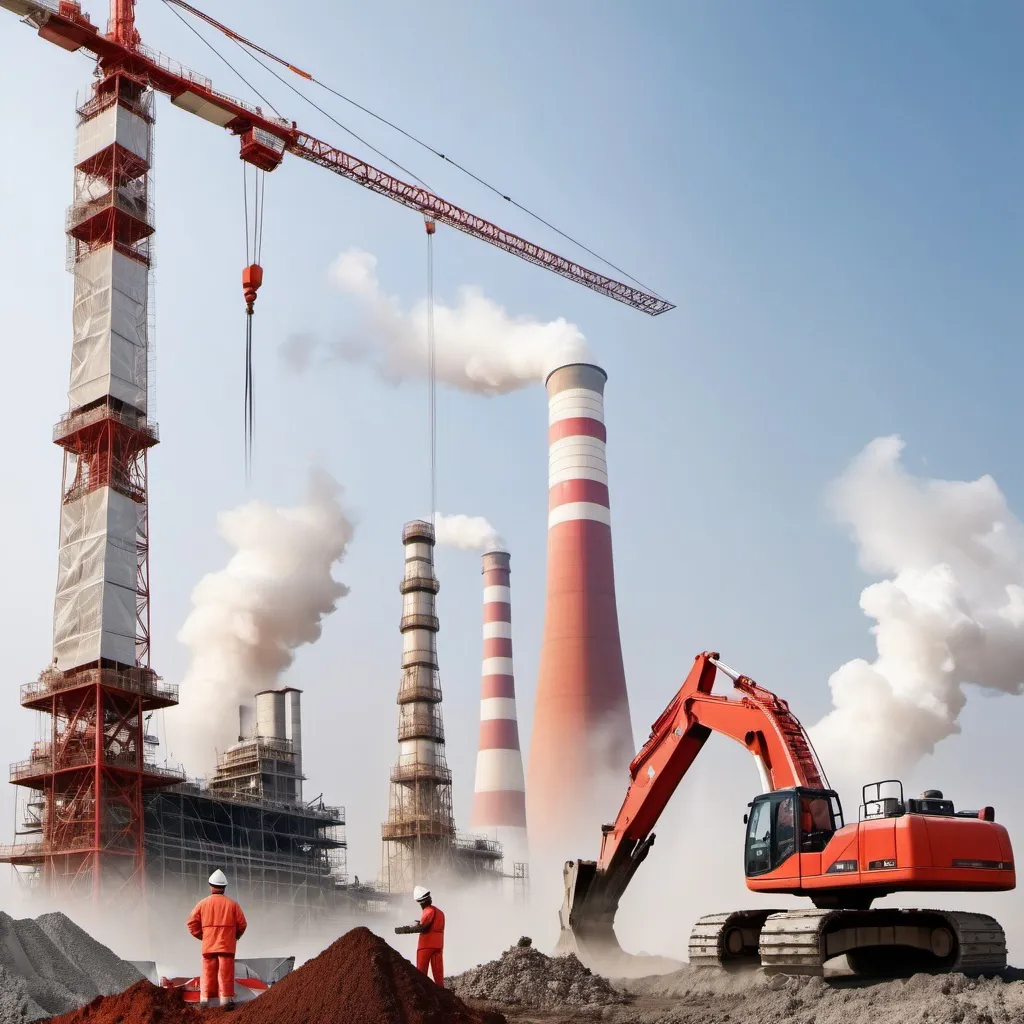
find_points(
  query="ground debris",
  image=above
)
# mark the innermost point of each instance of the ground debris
(50, 966)
(525, 977)
(141, 1004)
(701, 996)
(359, 979)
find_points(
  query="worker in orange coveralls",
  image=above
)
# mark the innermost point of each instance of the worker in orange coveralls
(220, 923)
(430, 950)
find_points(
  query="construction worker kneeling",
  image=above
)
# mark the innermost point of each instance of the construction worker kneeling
(430, 950)
(220, 923)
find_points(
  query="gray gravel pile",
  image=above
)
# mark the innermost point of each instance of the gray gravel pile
(51, 966)
(106, 970)
(525, 977)
(694, 996)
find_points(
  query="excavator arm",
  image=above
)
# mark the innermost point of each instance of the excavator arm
(759, 720)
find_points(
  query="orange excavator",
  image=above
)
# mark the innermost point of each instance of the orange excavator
(797, 843)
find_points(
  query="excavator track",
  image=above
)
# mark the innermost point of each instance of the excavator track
(728, 940)
(882, 943)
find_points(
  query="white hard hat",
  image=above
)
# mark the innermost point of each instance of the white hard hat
(419, 894)
(218, 878)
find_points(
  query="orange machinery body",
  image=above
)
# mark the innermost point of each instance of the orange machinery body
(900, 851)
(897, 846)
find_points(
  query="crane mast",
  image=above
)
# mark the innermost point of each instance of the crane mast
(122, 23)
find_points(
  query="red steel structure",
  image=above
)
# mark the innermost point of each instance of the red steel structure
(581, 725)
(91, 772)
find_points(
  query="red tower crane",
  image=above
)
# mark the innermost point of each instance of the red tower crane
(85, 820)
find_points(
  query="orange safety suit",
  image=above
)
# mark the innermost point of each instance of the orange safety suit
(430, 949)
(219, 922)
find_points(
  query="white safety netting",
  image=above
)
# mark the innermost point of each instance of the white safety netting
(95, 608)
(109, 350)
(115, 124)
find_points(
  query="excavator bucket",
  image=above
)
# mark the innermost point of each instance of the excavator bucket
(587, 918)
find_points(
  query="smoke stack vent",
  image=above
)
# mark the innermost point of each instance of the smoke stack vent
(581, 728)
(499, 796)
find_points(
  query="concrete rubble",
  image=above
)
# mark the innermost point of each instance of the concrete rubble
(525, 977)
(49, 966)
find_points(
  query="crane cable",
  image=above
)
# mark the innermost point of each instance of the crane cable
(431, 369)
(252, 278)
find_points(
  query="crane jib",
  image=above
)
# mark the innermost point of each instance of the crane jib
(70, 28)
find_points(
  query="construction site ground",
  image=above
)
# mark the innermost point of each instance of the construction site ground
(702, 996)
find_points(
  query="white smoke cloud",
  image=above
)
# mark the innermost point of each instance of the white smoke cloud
(248, 619)
(479, 347)
(949, 613)
(470, 533)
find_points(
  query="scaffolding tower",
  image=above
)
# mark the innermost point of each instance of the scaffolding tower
(419, 837)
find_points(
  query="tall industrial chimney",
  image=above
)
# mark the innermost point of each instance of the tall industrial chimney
(420, 831)
(499, 796)
(582, 739)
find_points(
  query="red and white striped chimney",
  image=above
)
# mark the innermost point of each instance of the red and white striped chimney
(582, 739)
(499, 796)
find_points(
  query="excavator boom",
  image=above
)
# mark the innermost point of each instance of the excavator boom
(759, 720)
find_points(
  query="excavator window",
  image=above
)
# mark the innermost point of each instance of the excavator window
(783, 822)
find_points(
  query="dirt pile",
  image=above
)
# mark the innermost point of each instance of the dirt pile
(143, 1003)
(360, 979)
(694, 996)
(50, 966)
(525, 977)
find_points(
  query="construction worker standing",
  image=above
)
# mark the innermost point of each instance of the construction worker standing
(430, 950)
(220, 923)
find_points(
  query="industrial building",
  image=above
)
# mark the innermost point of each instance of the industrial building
(249, 819)
(420, 842)
(582, 733)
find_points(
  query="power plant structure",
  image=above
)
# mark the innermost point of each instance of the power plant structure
(284, 855)
(499, 792)
(420, 842)
(582, 736)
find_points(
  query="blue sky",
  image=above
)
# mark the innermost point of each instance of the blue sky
(831, 193)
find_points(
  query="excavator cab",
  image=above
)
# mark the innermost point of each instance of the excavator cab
(786, 821)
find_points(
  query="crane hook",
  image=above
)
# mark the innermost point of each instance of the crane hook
(252, 279)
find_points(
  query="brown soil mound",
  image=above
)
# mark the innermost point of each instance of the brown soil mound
(143, 1003)
(359, 980)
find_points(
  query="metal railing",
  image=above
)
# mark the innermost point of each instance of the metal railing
(141, 208)
(425, 727)
(36, 766)
(141, 681)
(419, 621)
(408, 694)
(418, 530)
(412, 772)
(76, 421)
(407, 828)
(429, 583)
